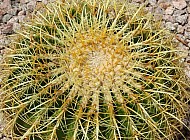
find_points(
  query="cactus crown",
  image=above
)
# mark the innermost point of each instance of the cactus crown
(94, 70)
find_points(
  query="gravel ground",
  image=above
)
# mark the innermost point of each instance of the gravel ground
(175, 15)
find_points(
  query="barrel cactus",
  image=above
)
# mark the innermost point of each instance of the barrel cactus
(93, 69)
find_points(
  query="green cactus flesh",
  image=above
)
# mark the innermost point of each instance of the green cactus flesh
(96, 70)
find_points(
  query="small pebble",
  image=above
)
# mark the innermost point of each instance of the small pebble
(8, 28)
(188, 9)
(24, 1)
(179, 4)
(6, 18)
(179, 12)
(169, 10)
(182, 19)
(180, 29)
(170, 26)
(169, 18)
(31, 6)
(13, 11)
(14, 19)
(152, 2)
(21, 13)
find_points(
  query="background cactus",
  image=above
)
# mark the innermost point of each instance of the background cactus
(94, 70)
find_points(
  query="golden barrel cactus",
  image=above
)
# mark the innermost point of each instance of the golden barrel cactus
(94, 70)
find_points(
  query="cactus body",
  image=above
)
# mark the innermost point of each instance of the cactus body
(94, 70)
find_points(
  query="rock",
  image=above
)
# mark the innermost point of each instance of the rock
(13, 11)
(6, 18)
(8, 28)
(187, 35)
(170, 26)
(24, 1)
(169, 10)
(175, 25)
(182, 19)
(2, 12)
(16, 27)
(188, 28)
(150, 9)
(6, 4)
(179, 12)
(31, 6)
(169, 18)
(181, 37)
(179, 4)
(21, 18)
(159, 10)
(188, 21)
(165, 5)
(1, 17)
(23, 7)
(180, 29)
(152, 2)
(14, 19)
(21, 13)
(184, 48)
(188, 41)
(188, 9)
(4, 7)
